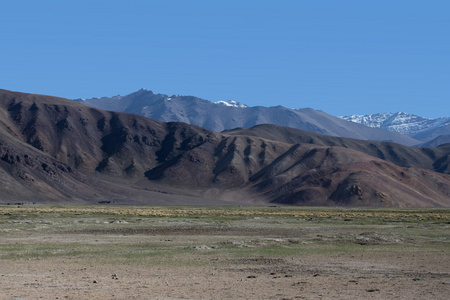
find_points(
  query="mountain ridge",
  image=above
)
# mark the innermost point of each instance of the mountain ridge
(55, 150)
(218, 117)
(417, 127)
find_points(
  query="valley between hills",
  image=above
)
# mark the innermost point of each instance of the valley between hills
(55, 150)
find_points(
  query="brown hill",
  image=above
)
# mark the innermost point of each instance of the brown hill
(427, 158)
(53, 149)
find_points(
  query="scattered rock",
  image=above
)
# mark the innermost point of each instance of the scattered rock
(119, 222)
(202, 247)
(419, 278)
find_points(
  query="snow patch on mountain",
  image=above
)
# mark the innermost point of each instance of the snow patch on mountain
(231, 103)
(400, 122)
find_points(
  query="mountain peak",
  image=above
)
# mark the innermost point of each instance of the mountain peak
(53, 150)
(221, 115)
(401, 122)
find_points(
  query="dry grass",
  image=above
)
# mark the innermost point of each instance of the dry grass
(280, 247)
(403, 215)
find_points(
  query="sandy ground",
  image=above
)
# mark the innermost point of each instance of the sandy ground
(371, 275)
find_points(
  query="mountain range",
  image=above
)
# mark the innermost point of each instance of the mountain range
(55, 150)
(224, 115)
(432, 131)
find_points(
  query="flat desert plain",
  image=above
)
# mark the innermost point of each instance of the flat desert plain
(140, 252)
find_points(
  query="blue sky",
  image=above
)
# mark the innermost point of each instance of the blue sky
(342, 57)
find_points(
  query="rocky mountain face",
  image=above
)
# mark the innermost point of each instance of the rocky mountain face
(419, 128)
(230, 114)
(56, 150)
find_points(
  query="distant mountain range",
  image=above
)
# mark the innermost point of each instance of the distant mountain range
(432, 131)
(223, 115)
(54, 150)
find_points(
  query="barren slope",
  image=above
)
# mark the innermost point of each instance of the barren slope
(56, 149)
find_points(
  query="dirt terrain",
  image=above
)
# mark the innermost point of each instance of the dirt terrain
(223, 253)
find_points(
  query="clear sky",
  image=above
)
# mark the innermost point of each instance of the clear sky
(342, 57)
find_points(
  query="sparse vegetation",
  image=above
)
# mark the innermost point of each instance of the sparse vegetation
(278, 230)
(351, 215)
(247, 242)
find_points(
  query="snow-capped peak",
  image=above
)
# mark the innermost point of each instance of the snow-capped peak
(398, 122)
(231, 103)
